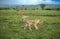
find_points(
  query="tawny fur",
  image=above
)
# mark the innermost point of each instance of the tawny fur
(28, 22)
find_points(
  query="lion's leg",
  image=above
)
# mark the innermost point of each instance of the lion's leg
(29, 26)
(35, 25)
(25, 26)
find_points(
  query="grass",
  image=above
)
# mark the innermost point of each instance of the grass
(11, 24)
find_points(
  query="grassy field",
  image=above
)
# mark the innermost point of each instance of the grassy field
(11, 24)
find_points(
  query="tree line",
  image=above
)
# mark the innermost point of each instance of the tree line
(42, 7)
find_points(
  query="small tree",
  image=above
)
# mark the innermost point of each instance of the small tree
(42, 6)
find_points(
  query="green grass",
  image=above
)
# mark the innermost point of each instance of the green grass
(11, 24)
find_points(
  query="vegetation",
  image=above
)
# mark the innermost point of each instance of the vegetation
(11, 24)
(42, 6)
(31, 7)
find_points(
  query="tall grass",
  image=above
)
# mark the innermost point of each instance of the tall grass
(11, 25)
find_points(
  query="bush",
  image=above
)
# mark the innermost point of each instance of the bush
(58, 9)
(4, 8)
(48, 9)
